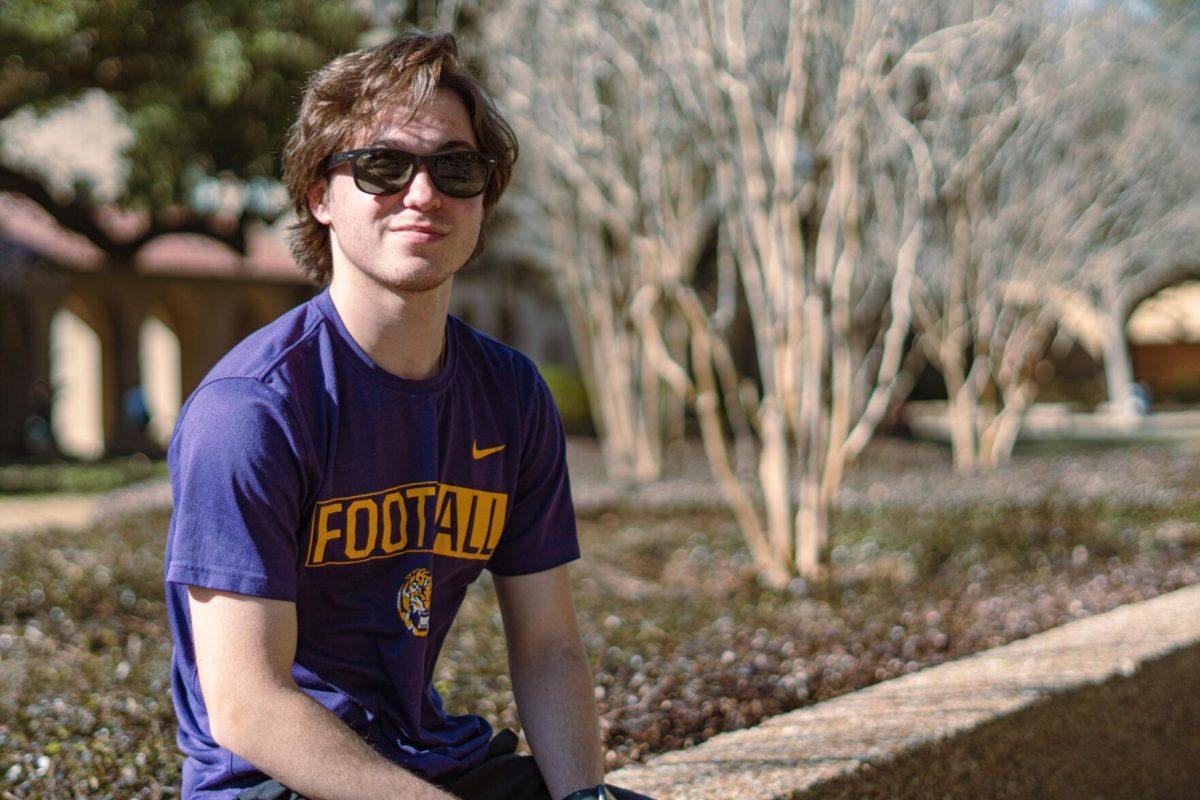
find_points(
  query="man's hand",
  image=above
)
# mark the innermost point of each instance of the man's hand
(551, 678)
(245, 647)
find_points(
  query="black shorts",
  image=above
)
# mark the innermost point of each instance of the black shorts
(503, 775)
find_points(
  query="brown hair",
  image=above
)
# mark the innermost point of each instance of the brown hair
(345, 96)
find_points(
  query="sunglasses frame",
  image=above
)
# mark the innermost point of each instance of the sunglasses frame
(418, 160)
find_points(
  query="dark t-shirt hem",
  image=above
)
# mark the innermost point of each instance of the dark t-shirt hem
(238, 583)
(555, 560)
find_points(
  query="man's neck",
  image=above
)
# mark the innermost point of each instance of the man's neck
(403, 332)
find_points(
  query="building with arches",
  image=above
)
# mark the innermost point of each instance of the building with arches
(95, 360)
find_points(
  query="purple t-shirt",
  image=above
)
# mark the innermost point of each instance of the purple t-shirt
(303, 471)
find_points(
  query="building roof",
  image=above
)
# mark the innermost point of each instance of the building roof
(27, 224)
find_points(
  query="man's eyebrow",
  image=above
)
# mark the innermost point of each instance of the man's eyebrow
(451, 144)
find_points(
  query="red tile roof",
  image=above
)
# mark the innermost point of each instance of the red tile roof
(25, 223)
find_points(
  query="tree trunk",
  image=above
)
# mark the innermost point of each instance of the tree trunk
(811, 531)
(997, 441)
(613, 363)
(962, 410)
(1118, 370)
(629, 453)
(774, 475)
(674, 404)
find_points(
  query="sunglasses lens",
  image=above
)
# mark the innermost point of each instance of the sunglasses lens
(384, 171)
(462, 174)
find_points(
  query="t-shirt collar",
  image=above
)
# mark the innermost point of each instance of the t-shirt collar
(389, 380)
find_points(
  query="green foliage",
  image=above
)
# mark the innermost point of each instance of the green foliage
(571, 397)
(77, 477)
(208, 86)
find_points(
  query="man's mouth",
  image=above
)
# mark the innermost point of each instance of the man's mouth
(420, 233)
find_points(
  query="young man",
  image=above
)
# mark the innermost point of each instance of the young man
(343, 475)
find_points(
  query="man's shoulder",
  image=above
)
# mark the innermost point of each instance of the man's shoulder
(491, 353)
(256, 378)
(272, 347)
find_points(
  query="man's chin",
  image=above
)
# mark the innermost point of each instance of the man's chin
(418, 286)
(417, 281)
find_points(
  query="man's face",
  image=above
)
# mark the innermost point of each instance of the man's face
(415, 240)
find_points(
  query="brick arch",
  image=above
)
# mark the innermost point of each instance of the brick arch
(12, 332)
(199, 315)
(260, 306)
(163, 312)
(208, 315)
(79, 406)
(1163, 331)
(161, 372)
(15, 344)
(88, 307)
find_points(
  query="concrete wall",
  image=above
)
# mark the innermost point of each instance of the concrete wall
(1105, 707)
(1134, 738)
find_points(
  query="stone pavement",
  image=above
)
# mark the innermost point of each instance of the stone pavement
(22, 514)
(28, 513)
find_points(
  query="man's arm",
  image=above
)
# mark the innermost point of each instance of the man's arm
(551, 678)
(244, 652)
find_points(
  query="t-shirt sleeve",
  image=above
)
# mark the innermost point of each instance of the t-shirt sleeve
(238, 484)
(540, 533)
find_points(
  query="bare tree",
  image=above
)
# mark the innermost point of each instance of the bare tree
(614, 177)
(1135, 88)
(976, 324)
(824, 184)
(870, 161)
(1061, 184)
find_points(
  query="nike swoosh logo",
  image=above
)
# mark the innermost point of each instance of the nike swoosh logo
(487, 451)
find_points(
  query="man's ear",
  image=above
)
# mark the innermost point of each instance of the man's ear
(318, 204)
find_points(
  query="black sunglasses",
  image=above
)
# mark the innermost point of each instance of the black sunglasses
(382, 170)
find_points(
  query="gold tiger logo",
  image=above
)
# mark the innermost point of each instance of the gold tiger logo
(414, 599)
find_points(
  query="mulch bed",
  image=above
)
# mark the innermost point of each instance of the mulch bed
(684, 640)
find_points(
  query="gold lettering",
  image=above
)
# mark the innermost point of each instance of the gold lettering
(394, 500)
(445, 540)
(496, 518)
(352, 550)
(484, 508)
(420, 493)
(468, 505)
(326, 534)
(450, 520)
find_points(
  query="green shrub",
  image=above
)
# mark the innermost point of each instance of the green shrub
(566, 385)
(78, 476)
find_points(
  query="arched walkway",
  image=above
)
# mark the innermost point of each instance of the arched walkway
(76, 406)
(1164, 342)
(161, 375)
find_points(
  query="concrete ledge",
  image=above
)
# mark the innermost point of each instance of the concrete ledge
(1104, 707)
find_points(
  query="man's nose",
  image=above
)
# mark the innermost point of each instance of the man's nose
(421, 192)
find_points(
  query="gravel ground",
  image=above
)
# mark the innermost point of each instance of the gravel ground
(895, 473)
(684, 640)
